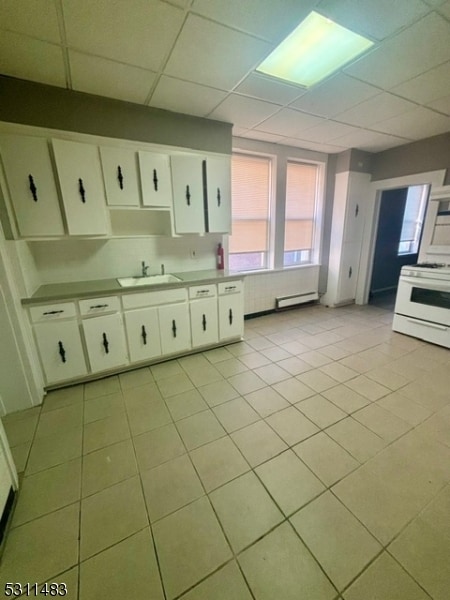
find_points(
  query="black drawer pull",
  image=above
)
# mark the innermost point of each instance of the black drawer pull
(155, 180)
(188, 196)
(218, 197)
(350, 272)
(230, 287)
(82, 191)
(357, 210)
(33, 188)
(62, 352)
(204, 323)
(120, 176)
(98, 306)
(144, 335)
(53, 312)
(174, 328)
(202, 291)
(105, 343)
(230, 316)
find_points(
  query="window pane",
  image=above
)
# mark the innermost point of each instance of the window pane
(250, 192)
(413, 219)
(301, 190)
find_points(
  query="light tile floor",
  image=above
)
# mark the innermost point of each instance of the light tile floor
(310, 461)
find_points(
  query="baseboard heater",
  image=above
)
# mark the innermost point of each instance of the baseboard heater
(294, 300)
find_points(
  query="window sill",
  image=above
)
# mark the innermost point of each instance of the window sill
(278, 270)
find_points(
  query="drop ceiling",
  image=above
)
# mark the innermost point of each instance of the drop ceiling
(198, 57)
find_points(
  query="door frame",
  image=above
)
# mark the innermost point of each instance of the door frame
(376, 188)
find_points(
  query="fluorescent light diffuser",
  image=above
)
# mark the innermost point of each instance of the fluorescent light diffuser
(315, 49)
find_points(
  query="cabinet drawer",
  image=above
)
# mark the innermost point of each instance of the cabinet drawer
(50, 312)
(230, 287)
(154, 298)
(202, 291)
(95, 306)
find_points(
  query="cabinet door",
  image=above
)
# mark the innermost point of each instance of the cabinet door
(31, 185)
(174, 327)
(142, 327)
(105, 341)
(348, 272)
(218, 178)
(204, 322)
(231, 316)
(188, 197)
(83, 194)
(156, 182)
(60, 350)
(120, 175)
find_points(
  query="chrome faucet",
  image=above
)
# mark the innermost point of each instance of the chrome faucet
(145, 268)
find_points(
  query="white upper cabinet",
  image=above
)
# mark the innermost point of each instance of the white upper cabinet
(31, 184)
(188, 196)
(83, 194)
(218, 180)
(156, 182)
(120, 175)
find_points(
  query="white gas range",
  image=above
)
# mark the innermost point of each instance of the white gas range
(422, 307)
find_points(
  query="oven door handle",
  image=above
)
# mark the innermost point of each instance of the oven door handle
(426, 285)
(426, 324)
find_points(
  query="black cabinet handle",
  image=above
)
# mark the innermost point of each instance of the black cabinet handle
(357, 210)
(105, 343)
(230, 316)
(204, 323)
(174, 328)
(33, 188)
(144, 335)
(120, 176)
(230, 287)
(350, 271)
(98, 306)
(155, 180)
(82, 191)
(53, 312)
(62, 352)
(188, 196)
(218, 197)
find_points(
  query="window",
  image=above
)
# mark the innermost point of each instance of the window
(413, 219)
(301, 193)
(250, 190)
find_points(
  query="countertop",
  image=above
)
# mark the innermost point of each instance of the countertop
(52, 292)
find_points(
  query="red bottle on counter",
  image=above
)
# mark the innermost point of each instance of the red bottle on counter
(220, 258)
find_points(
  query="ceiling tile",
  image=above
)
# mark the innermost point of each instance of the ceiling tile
(442, 105)
(137, 32)
(427, 87)
(335, 95)
(376, 19)
(411, 52)
(238, 131)
(327, 131)
(289, 122)
(213, 55)
(371, 141)
(317, 147)
(435, 3)
(245, 112)
(415, 124)
(375, 109)
(185, 97)
(266, 88)
(108, 78)
(445, 9)
(262, 136)
(264, 18)
(27, 58)
(38, 19)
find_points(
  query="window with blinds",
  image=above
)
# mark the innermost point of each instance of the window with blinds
(301, 194)
(250, 189)
(413, 219)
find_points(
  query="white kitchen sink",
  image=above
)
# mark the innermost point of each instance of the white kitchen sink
(150, 280)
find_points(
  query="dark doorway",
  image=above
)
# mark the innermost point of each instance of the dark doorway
(388, 256)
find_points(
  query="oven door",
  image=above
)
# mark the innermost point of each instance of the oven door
(425, 299)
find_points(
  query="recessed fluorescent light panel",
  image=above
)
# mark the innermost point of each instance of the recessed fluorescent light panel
(315, 49)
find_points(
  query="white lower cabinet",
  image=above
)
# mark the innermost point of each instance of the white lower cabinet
(231, 310)
(174, 328)
(105, 342)
(61, 350)
(142, 327)
(204, 322)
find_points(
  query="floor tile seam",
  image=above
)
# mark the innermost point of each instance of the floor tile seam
(33, 439)
(46, 513)
(409, 574)
(80, 496)
(52, 577)
(361, 408)
(300, 412)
